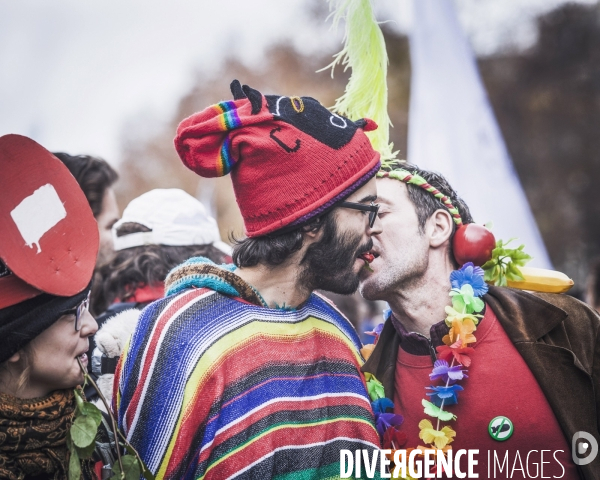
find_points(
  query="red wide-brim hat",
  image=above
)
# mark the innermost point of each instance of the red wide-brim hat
(49, 235)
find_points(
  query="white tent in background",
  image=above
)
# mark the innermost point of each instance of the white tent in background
(452, 128)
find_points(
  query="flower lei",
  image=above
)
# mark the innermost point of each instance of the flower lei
(462, 317)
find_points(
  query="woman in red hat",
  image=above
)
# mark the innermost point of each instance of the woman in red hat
(37, 401)
(47, 255)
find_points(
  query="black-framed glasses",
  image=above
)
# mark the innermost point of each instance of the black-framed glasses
(372, 208)
(79, 311)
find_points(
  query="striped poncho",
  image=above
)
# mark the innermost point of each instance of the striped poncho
(218, 386)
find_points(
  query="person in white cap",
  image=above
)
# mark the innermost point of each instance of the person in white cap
(159, 230)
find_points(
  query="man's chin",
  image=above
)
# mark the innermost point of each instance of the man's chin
(368, 287)
(345, 284)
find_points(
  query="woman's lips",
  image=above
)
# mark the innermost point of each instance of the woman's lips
(84, 358)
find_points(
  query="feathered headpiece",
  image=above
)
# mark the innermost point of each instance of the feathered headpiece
(366, 94)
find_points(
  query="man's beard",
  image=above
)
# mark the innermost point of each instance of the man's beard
(328, 264)
(402, 273)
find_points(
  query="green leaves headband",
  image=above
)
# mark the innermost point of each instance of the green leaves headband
(414, 179)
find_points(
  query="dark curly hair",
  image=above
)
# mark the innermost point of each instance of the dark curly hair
(136, 267)
(276, 248)
(93, 174)
(425, 203)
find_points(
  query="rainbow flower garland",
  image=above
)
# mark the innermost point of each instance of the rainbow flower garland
(462, 317)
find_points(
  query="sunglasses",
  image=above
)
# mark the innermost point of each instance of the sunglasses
(79, 311)
(373, 209)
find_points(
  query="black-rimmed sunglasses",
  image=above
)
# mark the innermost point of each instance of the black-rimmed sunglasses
(79, 311)
(373, 209)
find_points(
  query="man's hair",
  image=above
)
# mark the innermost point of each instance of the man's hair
(425, 203)
(136, 267)
(275, 248)
(93, 174)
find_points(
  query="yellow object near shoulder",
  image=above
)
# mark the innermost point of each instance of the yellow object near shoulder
(542, 280)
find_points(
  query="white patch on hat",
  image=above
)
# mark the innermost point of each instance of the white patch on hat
(37, 214)
(339, 125)
(277, 107)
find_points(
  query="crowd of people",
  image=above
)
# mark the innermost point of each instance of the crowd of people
(220, 362)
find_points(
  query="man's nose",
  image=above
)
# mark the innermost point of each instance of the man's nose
(377, 227)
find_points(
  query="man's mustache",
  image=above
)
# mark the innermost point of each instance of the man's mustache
(366, 247)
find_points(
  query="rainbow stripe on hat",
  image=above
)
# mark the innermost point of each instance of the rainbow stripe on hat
(226, 161)
(228, 120)
(227, 114)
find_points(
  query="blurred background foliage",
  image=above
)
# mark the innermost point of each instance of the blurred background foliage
(546, 100)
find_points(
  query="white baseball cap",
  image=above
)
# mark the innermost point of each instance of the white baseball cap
(174, 218)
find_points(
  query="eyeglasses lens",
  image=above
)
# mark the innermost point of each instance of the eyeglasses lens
(81, 308)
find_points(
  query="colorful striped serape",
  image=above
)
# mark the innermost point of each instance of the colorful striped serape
(215, 387)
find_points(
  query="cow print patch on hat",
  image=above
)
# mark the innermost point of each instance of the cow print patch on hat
(37, 214)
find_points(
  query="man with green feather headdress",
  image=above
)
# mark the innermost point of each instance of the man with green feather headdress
(467, 362)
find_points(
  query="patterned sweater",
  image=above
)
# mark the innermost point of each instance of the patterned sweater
(217, 386)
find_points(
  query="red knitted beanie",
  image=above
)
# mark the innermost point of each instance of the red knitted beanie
(290, 158)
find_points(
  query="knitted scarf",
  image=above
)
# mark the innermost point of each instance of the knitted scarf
(33, 435)
(201, 272)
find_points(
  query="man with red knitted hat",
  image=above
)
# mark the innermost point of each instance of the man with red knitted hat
(242, 370)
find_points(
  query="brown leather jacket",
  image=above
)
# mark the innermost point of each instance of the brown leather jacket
(559, 339)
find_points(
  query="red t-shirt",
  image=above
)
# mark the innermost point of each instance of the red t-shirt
(499, 383)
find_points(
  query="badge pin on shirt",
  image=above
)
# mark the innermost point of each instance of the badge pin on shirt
(501, 428)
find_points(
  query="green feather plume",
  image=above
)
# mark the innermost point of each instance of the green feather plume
(364, 52)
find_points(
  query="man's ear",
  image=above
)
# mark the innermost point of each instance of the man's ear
(440, 228)
(15, 357)
(312, 234)
(312, 231)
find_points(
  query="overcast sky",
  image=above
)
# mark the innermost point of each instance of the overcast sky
(73, 72)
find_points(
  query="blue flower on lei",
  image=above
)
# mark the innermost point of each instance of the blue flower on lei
(447, 394)
(471, 275)
(381, 405)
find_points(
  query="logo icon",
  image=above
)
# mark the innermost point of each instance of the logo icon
(584, 451)
(501, 428)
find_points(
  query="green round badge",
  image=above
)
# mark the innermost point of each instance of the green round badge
(501, 428)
